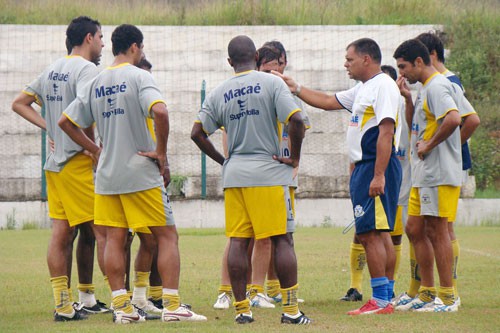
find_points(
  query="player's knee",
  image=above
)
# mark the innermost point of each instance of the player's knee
(283, 240)
(263, 244)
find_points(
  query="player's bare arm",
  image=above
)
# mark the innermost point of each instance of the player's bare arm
(405, 92)
(203, 142)
(296, 131)
(469, 125)
(384, 148)
(162, 129)
(22, 106)
(450, 122)
(312, 97)
(77, 135)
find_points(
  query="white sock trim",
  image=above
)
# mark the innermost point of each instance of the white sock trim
(170, 291)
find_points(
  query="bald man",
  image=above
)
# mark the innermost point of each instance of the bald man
(249, 106)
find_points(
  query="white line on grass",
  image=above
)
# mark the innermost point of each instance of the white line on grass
(480, 253)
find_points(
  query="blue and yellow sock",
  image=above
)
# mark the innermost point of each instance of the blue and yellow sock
(242, 307)
(446, 295)
(289, 299)
(390, 289)
(426, 294)
(171, 299)
(61, 295)
(273, 287)
(415, 274)
(358, 262)
(379, 290)
(456, 254)
(121, 301)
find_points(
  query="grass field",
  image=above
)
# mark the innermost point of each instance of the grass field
(323, 274)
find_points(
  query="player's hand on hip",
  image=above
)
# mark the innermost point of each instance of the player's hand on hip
(52, 145)
(422, 149)
(287, 160)
(160, 159)
(377, 186)
(94, 156)
(166, 176)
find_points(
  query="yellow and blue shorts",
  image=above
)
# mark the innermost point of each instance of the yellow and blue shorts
(440, 201)
(71, 191)
(378, 213)
(258, 212)
(136, 210)
(401, 218)
(292, 199)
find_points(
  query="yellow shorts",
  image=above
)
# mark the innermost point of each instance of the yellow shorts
(399, 224)
(144, 230)
(440, 201)
(258, 212)
(71, 191)
(137, 210)
(292, 199)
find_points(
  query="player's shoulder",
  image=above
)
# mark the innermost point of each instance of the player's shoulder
(77, 61)
(382, 83)
(438, 80)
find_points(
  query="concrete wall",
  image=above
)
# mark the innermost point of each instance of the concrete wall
(182, 57)
(210, 213)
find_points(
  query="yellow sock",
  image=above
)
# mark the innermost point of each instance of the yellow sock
(141, 279)
(249, 286)
(254, 290)
(226, 288)
(427, 294)
(415, 274)
(397, 251)
(171, 302)
(273, 287)
(61, 295)
(290, 304)
(242, 307)
(106, 281)
(70, 294)
(446, 295)
(122, 303)
(456, 253)
(358, 262)
(86, 288)
(155, 292)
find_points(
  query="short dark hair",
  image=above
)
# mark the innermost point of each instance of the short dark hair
(278, 46)
(267, 54)
(69, 47)
(79, 28)
(367, 46)
(124, 36)
(241, 49)
(433, 43)
(389, 70)
(411, 50)
(145, 64)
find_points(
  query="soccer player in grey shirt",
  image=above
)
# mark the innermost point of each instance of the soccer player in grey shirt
(132, 120)
(436, 164)
(249, 106)
(68, 170)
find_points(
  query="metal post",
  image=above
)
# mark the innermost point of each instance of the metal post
(203, 155)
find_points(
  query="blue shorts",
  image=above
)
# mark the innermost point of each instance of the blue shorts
(377, 213)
